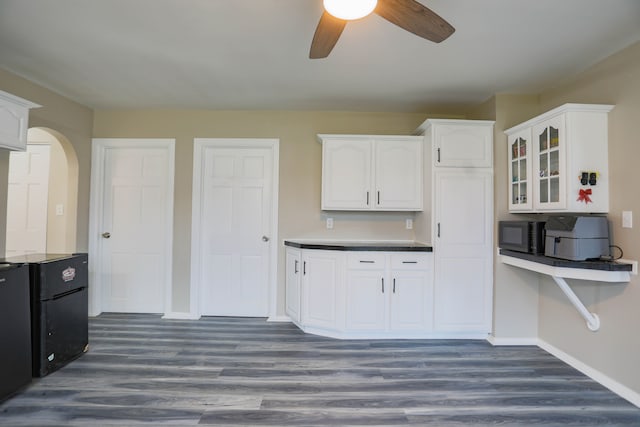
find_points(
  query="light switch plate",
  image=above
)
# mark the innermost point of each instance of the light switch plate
(409, 224)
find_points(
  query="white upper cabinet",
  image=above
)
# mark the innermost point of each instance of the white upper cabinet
(568, 157)
(365, 172)
(520, 170)
(14, 121)
(460, 143)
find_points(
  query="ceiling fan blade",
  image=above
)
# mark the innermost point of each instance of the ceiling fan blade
(415, 18)
(327, 34)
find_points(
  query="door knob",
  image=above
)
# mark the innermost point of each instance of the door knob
(106, 234)
(265, 239)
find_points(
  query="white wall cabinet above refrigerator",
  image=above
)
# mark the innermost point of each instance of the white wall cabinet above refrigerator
(462, 225)
(371, 172)
(558, 161)
(460, 143)
(14, 121)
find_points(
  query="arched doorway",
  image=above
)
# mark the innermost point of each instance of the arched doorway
(60, 200)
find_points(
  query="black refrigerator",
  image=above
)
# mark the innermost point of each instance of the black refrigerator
(59, 309)
(15, 329)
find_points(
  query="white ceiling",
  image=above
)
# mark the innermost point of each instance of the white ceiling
(253, 54)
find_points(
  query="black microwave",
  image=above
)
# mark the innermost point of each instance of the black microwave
(521, 236)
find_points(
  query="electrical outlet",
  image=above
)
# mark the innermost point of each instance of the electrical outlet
(329, 223)
(409, 224)
(627, 219)
(59, 209)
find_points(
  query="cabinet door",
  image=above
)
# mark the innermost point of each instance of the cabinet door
(321, 281)
(398, 174)
(520, 171)
(463, 145)
(463, 251)
(411, 300)
(366, 291)
(549, 164)
(366, 300)
(346, 174)
(293, 281)
(14, 122)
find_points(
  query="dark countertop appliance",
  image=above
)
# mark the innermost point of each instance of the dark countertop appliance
(15, 329)
(577, 237)
(521, 236)
(59, 309)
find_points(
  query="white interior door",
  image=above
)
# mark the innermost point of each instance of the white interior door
(135, 208)
(232, 226)
(27, 199)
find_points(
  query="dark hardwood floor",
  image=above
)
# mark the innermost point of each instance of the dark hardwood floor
(141, 369)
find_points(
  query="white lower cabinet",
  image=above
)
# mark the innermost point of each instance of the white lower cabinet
(366, 305)
(389, 292)
(411, 297)
(293, 282)
(360, 294)
(321, 289)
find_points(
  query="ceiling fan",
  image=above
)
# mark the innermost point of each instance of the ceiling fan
(407, 14)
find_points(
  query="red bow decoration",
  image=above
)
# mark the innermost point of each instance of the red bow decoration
(584, 196)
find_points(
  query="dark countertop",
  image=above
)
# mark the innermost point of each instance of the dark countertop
(557, 262)
(382, 245)
(37, 258)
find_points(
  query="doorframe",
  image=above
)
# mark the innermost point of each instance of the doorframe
(99, 149)
(199, 146)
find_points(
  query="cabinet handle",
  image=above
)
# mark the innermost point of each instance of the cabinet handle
(367, 198)
(394, 285)
(378, 197)
(383, 285)
(295, 267)
(438, 154)
(409, 262)
(438, 229)
(367, 262)
(304, 268)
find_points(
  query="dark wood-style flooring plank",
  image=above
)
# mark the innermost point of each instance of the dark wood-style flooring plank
(142, 370)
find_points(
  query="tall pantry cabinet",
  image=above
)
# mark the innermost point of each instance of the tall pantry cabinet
(462, 224)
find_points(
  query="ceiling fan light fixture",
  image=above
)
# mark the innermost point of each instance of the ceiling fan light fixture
(350, 9)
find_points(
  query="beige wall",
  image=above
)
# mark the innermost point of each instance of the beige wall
(615, 349)
(515, 294)
(69, 121)
(300, 171)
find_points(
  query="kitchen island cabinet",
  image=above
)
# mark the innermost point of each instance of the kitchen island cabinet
(360, 289)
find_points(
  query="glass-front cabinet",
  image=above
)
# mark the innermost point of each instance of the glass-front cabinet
(549, 164)
(558, 161)
(520, 165)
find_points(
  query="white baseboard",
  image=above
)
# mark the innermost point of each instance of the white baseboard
(179, 315)
(613, 385)
(496, 341)
(284, 319)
